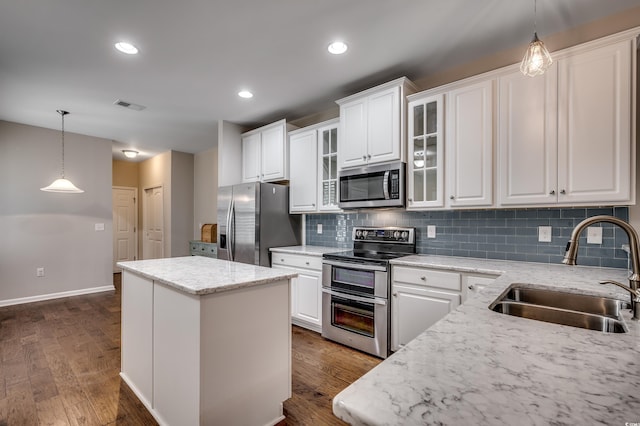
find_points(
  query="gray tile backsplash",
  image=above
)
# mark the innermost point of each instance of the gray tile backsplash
(491, 234)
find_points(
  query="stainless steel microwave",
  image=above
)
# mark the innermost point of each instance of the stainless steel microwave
(380, 185)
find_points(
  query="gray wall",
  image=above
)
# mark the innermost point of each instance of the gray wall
(510, 234)
(54, 231)
(181, 202)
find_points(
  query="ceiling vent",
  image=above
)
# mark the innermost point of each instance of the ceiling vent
(129, 105)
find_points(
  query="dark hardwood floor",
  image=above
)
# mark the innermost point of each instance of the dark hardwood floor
(60, 359)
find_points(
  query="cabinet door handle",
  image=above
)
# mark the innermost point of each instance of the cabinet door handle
(553, 192)
(364, 158)
(313, 204)
(369, 156)
(306, 263)
(411, 200)
(471, 287)
(395, 295)
(452, 198)
(423, 278)
(563, 192)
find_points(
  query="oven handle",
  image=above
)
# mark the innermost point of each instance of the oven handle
(374, 300)
(359, 266)
(385, 185)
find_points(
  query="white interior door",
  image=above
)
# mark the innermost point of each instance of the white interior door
(153, 223)
(125, 223)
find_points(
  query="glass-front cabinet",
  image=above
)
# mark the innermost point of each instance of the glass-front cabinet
(425, 174)
(328, 173)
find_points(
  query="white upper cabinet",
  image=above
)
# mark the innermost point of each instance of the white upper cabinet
(425, 163)
(303, 186)
(373, 124)
(328, 167)
(251, 157)
(565, 138)
(313, 168)
(469, 145)
(265, 153)
(594, 124)
(527, 138)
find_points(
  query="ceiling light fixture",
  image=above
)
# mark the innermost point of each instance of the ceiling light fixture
(337, 48)
(537, 58)
(62, 184)
(245, 94)
(127, 48)
(130, 153)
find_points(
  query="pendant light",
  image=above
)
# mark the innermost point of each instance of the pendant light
(537, 58)
(62, 184)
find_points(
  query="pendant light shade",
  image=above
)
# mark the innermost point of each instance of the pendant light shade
(62, 185)
(537, 58)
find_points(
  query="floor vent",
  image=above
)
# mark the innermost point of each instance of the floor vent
(129, 105)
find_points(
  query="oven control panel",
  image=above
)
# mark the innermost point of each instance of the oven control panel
(388, 234)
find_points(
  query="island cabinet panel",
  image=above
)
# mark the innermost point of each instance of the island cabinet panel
(176, 361)
(246, 355)
(207, 342)
(137, 332)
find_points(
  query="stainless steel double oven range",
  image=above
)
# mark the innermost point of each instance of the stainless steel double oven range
(356, 286)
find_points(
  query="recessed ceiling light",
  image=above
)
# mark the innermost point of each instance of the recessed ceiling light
(127, 48)
(245, 94)
(337, 47)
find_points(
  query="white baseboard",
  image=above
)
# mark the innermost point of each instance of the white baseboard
(50, 296)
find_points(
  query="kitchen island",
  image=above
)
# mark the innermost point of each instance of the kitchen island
(476, 366)
(207, 341)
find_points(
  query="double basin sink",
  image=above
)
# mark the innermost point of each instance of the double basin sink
(560, 307)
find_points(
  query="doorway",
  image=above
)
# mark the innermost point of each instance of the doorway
(153, 223)
(125, 224)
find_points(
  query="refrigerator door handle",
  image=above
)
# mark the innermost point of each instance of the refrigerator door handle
(232, 230)
(229, 232)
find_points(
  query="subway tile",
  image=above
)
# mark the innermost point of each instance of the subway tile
(495, 234)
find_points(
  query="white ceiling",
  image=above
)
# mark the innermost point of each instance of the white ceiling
(195, 55)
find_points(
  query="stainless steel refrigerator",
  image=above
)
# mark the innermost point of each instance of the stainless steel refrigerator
(252, 218)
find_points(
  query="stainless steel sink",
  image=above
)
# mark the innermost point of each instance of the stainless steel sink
(560, 307)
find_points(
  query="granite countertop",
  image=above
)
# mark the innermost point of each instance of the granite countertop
(203, 275)
(476, 366)
(306, 250)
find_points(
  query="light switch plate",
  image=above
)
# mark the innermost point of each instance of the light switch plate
(431, 231)
(594, 235)
(319, 229)
(544, 234)
(99, 227)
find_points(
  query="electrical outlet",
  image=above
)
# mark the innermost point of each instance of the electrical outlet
(319, 229)
(39, 272)
(99, 227)
(594, 235)
(431, 231)
(544, 234)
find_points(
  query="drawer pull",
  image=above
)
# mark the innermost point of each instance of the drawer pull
(306, 263)
(423, 278)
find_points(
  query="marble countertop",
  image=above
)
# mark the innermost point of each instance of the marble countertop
(306, 250)
(202, 275)
(476, 366)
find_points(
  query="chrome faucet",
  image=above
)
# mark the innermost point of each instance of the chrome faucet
(634, 279)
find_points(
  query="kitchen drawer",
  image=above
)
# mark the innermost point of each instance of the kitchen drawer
(427, 277)
(296, 261)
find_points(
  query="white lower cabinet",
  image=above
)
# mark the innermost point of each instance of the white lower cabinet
(421, 297)
(306, 289)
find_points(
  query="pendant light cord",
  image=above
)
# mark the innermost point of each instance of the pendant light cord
(62, 113)
(535, 16)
